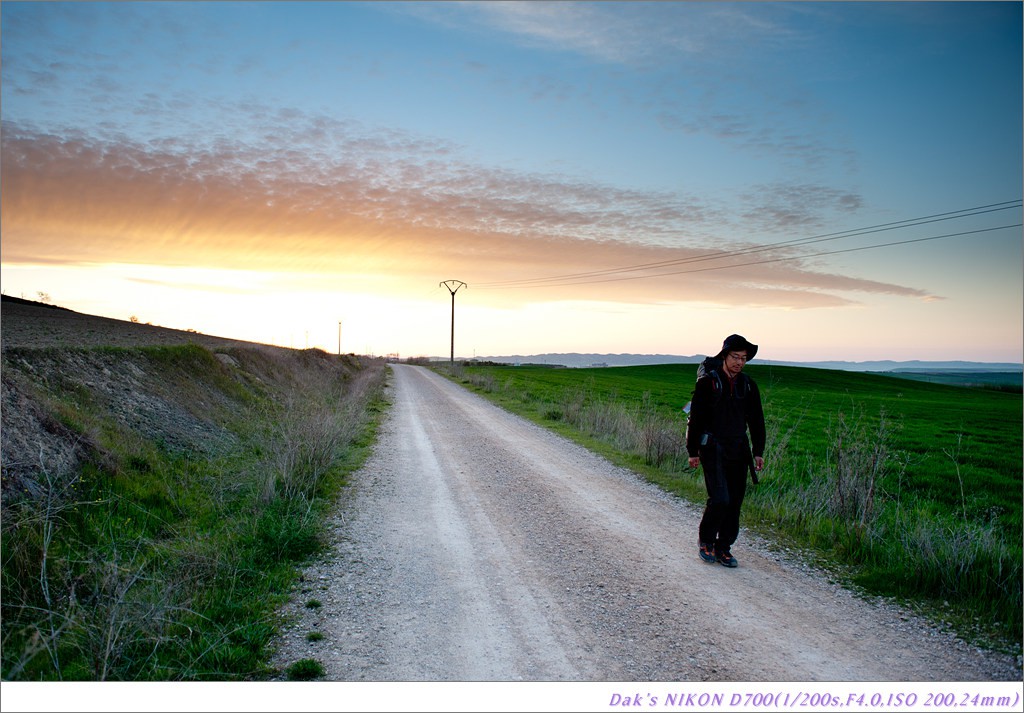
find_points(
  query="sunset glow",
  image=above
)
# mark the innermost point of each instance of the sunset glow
(833, 180)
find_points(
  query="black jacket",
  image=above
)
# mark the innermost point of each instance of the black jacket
(726, 416)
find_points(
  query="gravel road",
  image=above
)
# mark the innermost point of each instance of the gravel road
(476, 546)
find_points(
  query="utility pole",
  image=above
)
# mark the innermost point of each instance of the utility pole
(339, 338)
(453, 287)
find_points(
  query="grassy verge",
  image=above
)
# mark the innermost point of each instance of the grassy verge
(170, 506)
(905, 489)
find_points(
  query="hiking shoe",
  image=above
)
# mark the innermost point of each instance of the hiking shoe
(707, 552)
(726, 559)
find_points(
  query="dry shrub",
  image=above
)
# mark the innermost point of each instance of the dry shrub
(313, 425)
(638, 429)
(859, 458)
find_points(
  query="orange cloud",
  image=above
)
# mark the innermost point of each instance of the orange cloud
(385, 206)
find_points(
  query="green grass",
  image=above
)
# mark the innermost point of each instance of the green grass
(936, 522)
(165, 554)
(305, 670)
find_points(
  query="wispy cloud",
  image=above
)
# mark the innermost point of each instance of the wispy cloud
(701, 67)
(629, 33)
(785, 208)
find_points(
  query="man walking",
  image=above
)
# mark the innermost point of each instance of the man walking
(726, 403)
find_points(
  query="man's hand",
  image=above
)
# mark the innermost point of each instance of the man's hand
(758, 462)
(694, 461)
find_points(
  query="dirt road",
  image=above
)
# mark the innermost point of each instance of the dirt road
(475, 546)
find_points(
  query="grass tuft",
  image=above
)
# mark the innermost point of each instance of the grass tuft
(305, 670)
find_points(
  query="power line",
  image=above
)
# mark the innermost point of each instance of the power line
(951, 215)
(790, 257)
(582, 277)
(777, 259)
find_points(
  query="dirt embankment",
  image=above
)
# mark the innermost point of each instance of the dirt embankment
(51, 350)
(35, 325)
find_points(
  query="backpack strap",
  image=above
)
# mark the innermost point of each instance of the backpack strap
(718, 386)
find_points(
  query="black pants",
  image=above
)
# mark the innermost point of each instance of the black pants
(721, 522)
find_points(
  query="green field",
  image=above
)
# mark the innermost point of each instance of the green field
(901, 487)
(1011, 381)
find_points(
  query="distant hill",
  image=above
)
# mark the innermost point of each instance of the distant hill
(575, 360)
(592, 360)
(913, 365)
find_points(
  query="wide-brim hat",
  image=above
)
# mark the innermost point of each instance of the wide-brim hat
(737, 343)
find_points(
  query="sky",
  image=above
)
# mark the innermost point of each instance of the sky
(834, 181)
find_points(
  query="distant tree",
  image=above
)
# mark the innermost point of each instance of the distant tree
(133, 319)
(43, 297)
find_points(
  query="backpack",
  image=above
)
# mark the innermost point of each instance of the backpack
(710, 367)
